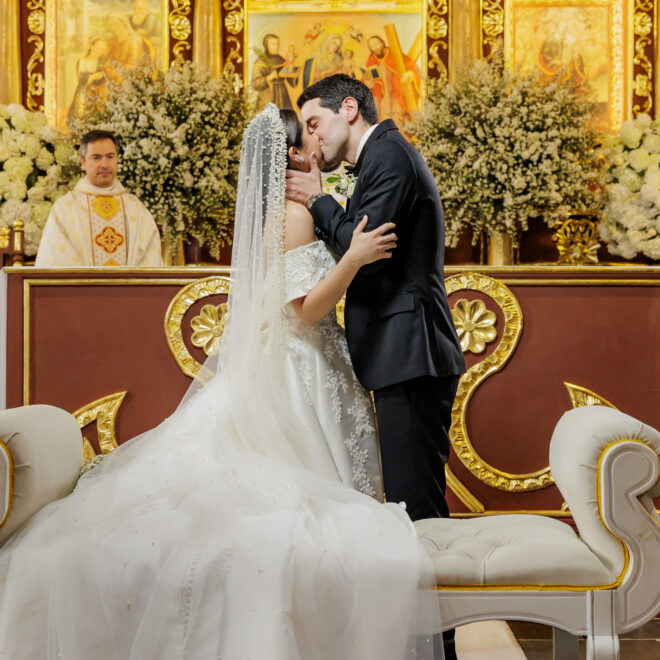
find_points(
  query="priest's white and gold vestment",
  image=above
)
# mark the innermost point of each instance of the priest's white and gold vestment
(93, 226)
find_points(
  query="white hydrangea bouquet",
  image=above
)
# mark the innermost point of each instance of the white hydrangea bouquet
(505, 147)
(179, 138)
(631, 219)
(37, 165)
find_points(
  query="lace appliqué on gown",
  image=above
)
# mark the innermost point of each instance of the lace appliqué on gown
(305, 267)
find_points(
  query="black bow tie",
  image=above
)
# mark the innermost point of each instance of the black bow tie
(349, 169)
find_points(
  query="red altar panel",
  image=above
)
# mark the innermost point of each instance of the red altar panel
(76, 336)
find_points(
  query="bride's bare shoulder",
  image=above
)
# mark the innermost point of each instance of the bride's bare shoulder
(298, 226)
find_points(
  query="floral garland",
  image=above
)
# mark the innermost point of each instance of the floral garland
(505, 147)
(37, 165)
(180, 137)
(631, 220)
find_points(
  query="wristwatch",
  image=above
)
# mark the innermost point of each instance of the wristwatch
(312, 198)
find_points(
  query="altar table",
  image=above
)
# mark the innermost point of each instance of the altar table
(114, 347)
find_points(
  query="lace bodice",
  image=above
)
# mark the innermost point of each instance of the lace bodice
(304, 268)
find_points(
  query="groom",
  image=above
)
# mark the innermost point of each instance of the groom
(399, 329)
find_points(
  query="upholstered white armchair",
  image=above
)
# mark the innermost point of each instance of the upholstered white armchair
(40, 455)
(600, 583)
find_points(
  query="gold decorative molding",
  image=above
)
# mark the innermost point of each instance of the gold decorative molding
(36, 83)
(339, 310)
(208, 327)
(437, 32)
(181, 303)
(577, 241)
(234, 18)
(104, 412)
(234, 23)
(462, 493)
(4, 237)
(581, 396)
(643, 46)
(475, 375)
(492, 28)
(180, 29)
(475, 324)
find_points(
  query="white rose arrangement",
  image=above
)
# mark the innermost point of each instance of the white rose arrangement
(631, 219)
(37, 166)
(179, 137)
(504, 147)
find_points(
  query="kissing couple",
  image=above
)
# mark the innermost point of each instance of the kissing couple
(251, 522)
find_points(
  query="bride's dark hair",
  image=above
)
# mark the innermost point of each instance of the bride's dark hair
(293, 129)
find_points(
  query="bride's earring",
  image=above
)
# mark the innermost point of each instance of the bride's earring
(299, 159)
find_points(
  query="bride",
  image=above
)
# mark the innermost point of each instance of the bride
(247, 525)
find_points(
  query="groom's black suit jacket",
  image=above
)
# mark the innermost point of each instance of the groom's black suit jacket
(398, 323)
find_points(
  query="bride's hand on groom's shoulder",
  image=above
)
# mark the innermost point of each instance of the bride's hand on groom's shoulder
(369, 246)
(300, 186)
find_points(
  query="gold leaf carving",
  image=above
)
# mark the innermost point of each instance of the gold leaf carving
(234, 22)
(577, 241)
(4, 237)
(37, 21)
(437, 31)
(475, 375)
(104, 412)
(181, 303)
(339, 310)
(475, 324)
(180, 28)
(492, 27)
(581, 396)
(208, 327)
(36, 82)
(462, 492)
(642, 64)
(437, 27)
(643, 24)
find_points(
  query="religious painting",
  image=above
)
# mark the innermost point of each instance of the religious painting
(288, 52)
(583, 42)
(92, 41)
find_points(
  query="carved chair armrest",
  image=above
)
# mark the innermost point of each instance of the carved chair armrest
(40, 460)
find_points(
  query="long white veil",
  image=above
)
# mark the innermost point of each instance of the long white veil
(250, 363)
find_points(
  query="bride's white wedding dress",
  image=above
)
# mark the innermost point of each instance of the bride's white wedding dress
(236, 529)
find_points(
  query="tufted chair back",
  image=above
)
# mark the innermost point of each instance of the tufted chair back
(580, 440)
(40, 455)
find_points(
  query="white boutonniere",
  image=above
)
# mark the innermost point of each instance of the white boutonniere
(344, 183)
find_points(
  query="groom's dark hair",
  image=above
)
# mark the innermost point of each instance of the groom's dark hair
(331, 91)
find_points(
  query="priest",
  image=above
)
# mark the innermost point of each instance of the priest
(99, 223)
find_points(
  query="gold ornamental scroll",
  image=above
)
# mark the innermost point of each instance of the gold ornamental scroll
(103, 411)
(180, 19)
(492, 28)
(410, 93)
(644, 38)
(33, 30)
(437, 39)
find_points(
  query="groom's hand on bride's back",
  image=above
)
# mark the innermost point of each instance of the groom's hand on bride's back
(300, 186)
